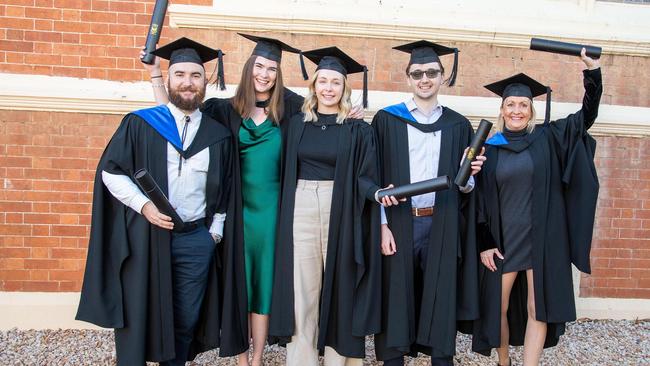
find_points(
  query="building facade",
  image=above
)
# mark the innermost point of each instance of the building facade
(69, 71)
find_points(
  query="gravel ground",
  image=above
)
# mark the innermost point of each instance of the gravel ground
(587, 342)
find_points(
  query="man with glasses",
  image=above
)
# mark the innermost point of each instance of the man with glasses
(430, 278)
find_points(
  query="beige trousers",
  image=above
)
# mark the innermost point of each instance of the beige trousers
(310, 229)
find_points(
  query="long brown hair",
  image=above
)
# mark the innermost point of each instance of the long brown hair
(244, 99)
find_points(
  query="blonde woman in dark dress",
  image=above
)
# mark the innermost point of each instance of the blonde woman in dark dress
(537, 195)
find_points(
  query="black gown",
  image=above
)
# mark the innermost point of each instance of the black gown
(234, 325)
(565, 191)
(425, 319)
(128, 280)
(351, 288)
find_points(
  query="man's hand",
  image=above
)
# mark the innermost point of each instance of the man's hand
(476, 164)
(388, 246)
(155, 217)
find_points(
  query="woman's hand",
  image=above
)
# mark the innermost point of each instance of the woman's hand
(592, 64)
(487, 258)
(387, 241)
(153, 69)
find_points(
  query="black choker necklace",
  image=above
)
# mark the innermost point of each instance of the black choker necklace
(262, 103)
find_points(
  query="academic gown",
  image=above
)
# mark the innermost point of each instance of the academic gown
(234, 325)
(565, 191)
(425, 319)
(351, 288)
(128, 278)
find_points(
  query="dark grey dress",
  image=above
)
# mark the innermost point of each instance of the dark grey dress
(514, 175)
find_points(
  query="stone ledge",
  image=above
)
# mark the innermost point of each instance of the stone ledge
(72, 95)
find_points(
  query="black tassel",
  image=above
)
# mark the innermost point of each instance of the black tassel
(302, 67)
(454, 69)
(547, 115)
(365, 87)
(220, 73)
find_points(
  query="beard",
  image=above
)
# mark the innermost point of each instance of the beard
(184, 104)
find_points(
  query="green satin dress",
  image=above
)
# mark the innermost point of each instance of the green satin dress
(259, 154)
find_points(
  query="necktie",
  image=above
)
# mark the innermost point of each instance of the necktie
(183, 136)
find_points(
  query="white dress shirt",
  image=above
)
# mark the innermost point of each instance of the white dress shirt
(424, 155)
(187, 190)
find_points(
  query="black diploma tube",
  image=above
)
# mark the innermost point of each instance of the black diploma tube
(151, 189)
(564, 48)
(408, 190)
(474, 149)
(157, 20)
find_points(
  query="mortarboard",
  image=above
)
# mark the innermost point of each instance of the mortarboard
(332, 58)
(272, 49)
(522, 85)
(187, 50)
(423, 52)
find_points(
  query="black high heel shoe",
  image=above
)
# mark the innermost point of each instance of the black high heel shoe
(509, 362)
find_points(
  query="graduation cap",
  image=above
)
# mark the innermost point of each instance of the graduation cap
(187, 50)
(332, 58)
(522, 85)
(272, 49)
(423, 52)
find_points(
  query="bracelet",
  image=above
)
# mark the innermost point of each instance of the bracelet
(158, 85)
(157, 76)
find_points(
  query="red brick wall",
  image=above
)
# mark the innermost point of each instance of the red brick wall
(47, 160)
(47, 165)
(621, 247)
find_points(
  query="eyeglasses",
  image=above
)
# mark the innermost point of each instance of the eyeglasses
(431, 74)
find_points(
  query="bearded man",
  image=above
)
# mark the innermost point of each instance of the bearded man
(156, 283)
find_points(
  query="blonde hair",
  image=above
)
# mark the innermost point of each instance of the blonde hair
(310, 106)
(501, 122)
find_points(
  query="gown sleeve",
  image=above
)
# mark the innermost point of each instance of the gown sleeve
(367, 254)
(101, 293)
(217, 108)
(575, 150)
(569, 131)
(292, 103)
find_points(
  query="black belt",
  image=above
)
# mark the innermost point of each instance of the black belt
(190, 226)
